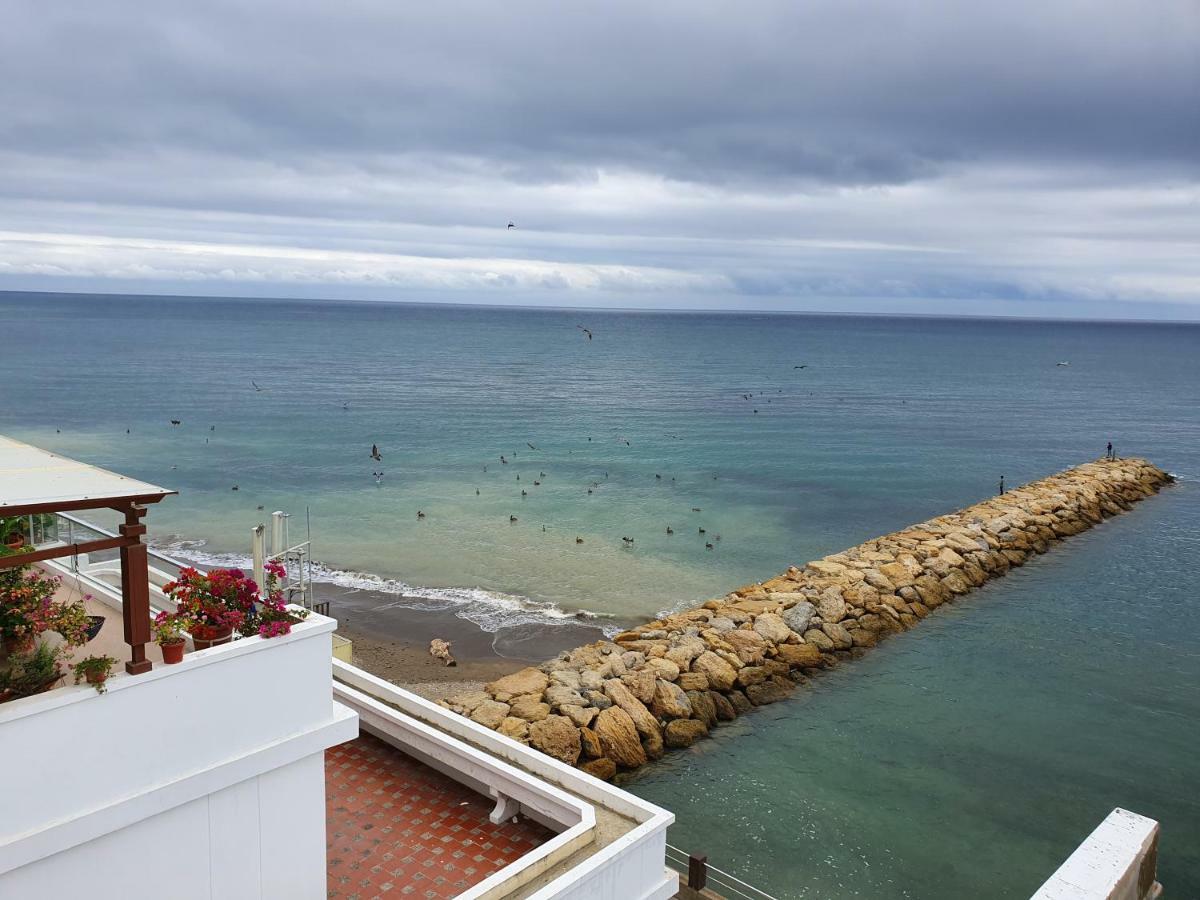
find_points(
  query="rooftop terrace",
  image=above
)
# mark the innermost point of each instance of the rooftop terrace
(395, 827)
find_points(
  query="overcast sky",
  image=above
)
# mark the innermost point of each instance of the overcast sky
(1031, 157)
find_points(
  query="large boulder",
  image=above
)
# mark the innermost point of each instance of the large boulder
(640, 684)
(580, 715)
(769, 691)
(490, 713)
(517, 729)
(838, 634)
(589, 743)
(693, 681)
(652, 743)
(529, 709)
(725, 710)
(703, 707)
(619, 738)
(931, 591)
(819, 639)
(558, 695)
(527, 681)
(831, 605)
(799, 655)
(663, 668)
(602, 768)
(798, 617)
(465, 703)
(720, 674)
(772, 628)
(556, 736)
(645, 723)
(897, 574)
(748, 645)
(670, 701)
(752, 675)
(684, 732)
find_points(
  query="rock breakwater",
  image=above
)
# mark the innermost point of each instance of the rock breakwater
(613, 705)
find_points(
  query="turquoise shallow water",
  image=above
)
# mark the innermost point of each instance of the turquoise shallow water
(964, 759)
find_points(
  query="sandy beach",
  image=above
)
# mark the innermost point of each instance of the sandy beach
(391, 636)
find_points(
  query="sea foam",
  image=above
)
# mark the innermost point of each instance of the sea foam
(490, 610)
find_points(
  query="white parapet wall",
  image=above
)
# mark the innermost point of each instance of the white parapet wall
(1118, 861)
(204, 779)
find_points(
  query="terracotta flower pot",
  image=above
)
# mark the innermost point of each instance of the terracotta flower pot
(205, 636)
(96, 677)
(173, 652)
(16, 542)
(18, 643)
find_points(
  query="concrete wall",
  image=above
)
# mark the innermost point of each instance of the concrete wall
(200, 779)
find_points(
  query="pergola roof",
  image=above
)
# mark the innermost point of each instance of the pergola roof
(34, 480)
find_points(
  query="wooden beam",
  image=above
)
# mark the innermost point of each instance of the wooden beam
(20, 559)
(117, 503)
(135, 591)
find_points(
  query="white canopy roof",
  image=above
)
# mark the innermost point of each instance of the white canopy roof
(30, 476)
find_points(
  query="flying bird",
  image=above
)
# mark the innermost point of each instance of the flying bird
(375, 454)
(805, 366)
(176, 422)
(1064, 363)
(530, 446)
(256, 387)
(585, 331)
(512, 224)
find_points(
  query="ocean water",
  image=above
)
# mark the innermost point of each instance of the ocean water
(964, 759)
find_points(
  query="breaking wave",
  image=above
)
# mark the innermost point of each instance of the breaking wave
(490, 610)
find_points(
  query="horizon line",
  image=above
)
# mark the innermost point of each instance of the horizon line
(4, 292)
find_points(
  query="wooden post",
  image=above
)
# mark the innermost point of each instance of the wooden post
(135, 591)
(697, 872)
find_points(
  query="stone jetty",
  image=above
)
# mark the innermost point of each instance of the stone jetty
(613, 705)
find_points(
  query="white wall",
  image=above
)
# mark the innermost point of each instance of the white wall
(240, 842)
(209, 773)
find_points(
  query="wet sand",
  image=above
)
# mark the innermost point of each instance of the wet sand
(391, 640)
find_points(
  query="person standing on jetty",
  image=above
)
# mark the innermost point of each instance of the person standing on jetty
(1108, 454)
(1001, 484)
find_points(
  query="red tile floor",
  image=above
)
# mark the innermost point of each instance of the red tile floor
(397, 828)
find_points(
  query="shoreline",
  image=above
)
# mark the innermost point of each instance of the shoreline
(391, 635)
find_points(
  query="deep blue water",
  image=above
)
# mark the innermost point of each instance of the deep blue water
(963, 759)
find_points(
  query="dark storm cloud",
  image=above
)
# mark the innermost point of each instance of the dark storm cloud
(844, 93)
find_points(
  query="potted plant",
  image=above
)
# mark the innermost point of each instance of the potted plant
(28, 608)
(212, 604)
(30, 673)
(168, 632)
(12, 532)
(95, 669)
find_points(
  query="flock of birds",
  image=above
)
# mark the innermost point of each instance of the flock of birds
(626, 541)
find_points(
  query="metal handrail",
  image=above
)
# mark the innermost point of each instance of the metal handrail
(699, 870)
(73, 520)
